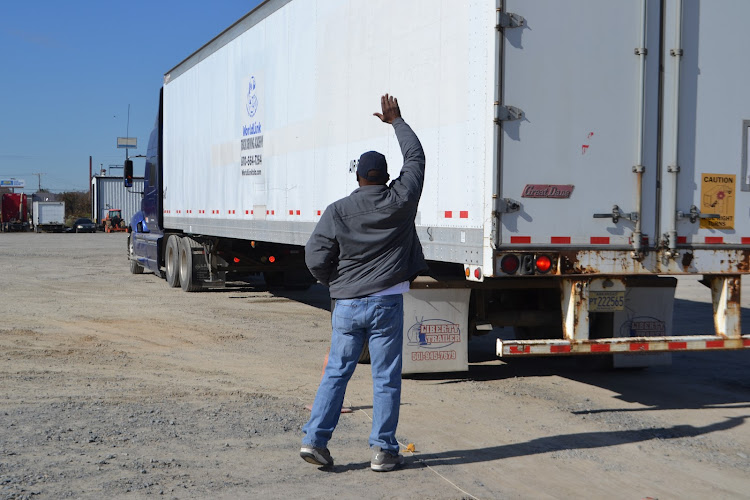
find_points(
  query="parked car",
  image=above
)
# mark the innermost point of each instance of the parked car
(84, 225)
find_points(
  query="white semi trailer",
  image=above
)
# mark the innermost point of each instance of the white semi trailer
(580, 154)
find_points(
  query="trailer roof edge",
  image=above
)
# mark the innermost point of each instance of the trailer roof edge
(246, 22)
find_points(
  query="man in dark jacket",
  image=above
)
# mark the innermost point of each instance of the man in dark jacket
(365, 249)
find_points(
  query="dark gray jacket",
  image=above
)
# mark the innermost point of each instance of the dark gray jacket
(367, 241)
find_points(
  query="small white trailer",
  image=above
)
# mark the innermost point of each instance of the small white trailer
(48, 216)
(578, 154)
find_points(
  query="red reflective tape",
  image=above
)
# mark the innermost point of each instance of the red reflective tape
(463, 214)
(682, 240)
(247, 212)
(299, 212)
(559, 348)
(714, 239)
(746, 241)
(273, 212)
(291, 212)
(520, 349)
(448, 214)
(600, 240)
(712, 344)
(746, 342)
(676, 346)
(560, 240)
(520, 239)
(639, 346)
(600, 347)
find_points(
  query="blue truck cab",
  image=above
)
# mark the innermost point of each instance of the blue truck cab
(146, 229)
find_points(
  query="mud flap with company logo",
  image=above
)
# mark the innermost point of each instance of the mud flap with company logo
(647, 313)
(436, 330)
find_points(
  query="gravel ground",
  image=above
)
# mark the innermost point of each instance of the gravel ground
(114, 386)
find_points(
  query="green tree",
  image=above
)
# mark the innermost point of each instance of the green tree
(77, 204)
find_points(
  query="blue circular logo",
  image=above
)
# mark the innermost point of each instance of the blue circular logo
(252, 99)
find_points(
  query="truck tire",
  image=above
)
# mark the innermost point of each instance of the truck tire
(172, 261)
(135, 267)
(187, 279)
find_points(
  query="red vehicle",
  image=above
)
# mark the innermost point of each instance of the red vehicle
(15, 212)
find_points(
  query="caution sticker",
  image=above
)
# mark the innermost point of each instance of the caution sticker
(717, 197)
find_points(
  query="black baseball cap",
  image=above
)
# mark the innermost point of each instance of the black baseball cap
(369, 161)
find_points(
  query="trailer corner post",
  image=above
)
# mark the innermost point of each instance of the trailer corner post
(503, 20)
(496, 178)
(575, 309)
(725, 296)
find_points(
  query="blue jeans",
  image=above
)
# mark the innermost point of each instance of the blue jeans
(380, 322)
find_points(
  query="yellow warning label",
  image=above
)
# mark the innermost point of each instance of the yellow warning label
(717, 197)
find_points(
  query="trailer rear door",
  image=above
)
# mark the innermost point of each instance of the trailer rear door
(579, 72)
(705, 160)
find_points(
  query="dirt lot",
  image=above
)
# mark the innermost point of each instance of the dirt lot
(113, 385)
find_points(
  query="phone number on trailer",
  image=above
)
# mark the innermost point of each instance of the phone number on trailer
(247, 161)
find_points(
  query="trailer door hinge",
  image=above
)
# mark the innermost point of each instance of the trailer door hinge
(509, 20)
(507, 113)
(507, 205)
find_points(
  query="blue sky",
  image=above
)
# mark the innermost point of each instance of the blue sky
(69, 70)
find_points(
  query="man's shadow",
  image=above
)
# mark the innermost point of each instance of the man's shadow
(579, 441)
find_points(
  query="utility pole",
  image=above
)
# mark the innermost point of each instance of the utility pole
(39, 178)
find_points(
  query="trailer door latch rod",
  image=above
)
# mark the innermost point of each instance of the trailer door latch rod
(616, 215)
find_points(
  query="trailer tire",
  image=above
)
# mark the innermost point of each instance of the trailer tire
(187, 279)
(135, 267)
(273, 279)
(172, 261)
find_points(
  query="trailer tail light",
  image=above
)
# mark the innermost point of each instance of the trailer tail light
(543, 263)
(272, 259)
(509, 264)
(478, 273)
(525, 264)
(236, 260)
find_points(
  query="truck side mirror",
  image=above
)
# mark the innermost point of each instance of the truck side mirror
(128, 173)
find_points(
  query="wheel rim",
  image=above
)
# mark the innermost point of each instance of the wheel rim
(183, 265)
(170, 260)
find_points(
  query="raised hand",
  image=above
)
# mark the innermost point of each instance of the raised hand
(391, 111)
